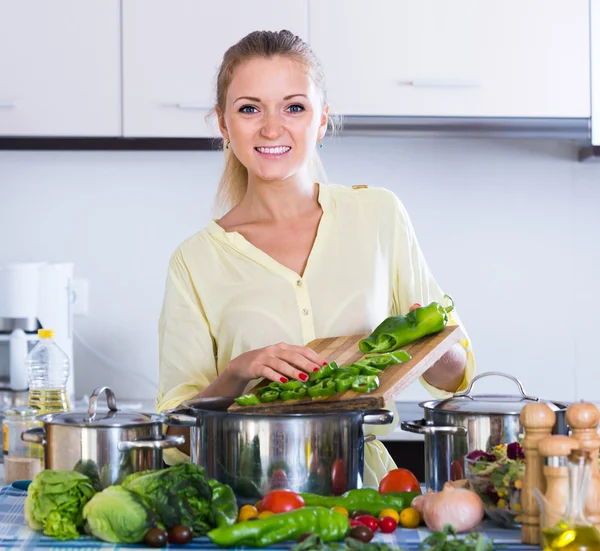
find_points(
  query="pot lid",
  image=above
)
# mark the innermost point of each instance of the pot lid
(496, 404)
(111, 418)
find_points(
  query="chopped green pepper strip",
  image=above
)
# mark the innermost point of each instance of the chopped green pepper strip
(292, 385)
(269, 396)
(325, 387)
(364, 383)
(342, 384)
(293, 394)
(326, 371)
(353, 369)
(400, 356)
(380, 361)
(248, 400)
(368, 370)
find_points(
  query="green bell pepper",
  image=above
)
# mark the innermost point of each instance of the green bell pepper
(365, 383)
(397, 331)
(348, 369)
(292, 385)
(223, 504)
(293, 394)
(363, 499)
(326, 371)
(269, 396)
(248, 400)
(325, 387)
(327, 524)
(344, 383)
(369, 370)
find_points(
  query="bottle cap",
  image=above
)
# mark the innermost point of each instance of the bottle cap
(45, 333)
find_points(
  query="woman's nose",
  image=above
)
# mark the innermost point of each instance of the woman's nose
(271, 126)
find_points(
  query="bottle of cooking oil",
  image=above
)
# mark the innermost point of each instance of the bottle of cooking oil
(573, 532)
(48, 370)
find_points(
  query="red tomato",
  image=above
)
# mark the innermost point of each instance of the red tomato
(369, 521)
(387, 525)
(399, 480)
(281, 501)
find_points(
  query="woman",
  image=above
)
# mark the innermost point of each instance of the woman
(292, 260)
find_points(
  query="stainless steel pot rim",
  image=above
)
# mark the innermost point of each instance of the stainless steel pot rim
(279, 416)
(119, 419)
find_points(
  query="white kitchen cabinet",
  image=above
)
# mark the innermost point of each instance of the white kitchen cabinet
(171, 53)
(60, 68)
(515, 58)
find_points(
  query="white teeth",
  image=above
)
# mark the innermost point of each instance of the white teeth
(274, 150)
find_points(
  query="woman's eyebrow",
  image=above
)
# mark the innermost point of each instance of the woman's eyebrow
(257, 100)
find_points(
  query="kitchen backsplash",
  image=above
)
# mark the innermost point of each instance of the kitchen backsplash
(509, 228)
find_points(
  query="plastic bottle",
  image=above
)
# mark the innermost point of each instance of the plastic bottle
(48, 369)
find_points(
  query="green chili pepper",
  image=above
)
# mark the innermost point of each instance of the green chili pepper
(351, 369)
(293, 394)
(363, 499)
(292, 385)
(369, 370)
(248, 400)
(327, 524)
(325, 387)
(344, 383)
(269, 396)
(365, 383)
(223, 504)
(326, 371)
(397, 331)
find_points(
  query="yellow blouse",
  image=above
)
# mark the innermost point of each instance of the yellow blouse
(224, 296)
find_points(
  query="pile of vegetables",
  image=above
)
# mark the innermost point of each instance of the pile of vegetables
(361, 376)
(173, 504)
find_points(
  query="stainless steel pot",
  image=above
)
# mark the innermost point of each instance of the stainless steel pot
(305, 452)
(454, 427)
(106, 446)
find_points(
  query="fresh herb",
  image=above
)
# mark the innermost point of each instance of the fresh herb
(314, 543)
(447, 540)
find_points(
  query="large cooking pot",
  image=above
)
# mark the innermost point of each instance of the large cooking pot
(305, 452)
(463, 423)
(105, 446)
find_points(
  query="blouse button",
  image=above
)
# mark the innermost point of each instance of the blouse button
(305, 312)
(299, 283)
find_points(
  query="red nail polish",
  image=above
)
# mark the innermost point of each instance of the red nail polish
(303, 376)
(324, 364)
(316, 369)
(283, 380)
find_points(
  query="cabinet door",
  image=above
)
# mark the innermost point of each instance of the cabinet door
(515, 58)
(172, 51)
(60, 68)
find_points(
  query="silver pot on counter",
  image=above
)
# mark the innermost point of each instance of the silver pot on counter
(305, 452)
(106, 446)
(463, 423)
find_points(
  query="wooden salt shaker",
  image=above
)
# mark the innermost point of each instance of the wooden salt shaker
(583, 419)
(537, 419)
(555, 451)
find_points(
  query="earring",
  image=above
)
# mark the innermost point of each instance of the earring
(320, 143)
(227, 144)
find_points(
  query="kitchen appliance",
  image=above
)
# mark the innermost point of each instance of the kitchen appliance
(107, 446)
(312, 452)
(33, 295)
(466, 422)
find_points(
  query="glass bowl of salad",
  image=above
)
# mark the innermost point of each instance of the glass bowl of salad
(497, 478)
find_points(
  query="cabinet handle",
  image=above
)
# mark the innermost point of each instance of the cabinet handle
(194, 106)
(441, 83)
(7, 104)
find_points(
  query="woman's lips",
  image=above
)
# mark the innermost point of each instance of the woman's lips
(273, 152)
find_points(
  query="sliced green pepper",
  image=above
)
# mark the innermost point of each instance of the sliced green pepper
(293, 394)
(352, 369)
(269, 396)
(248, 400)
(326, 371)
(342, 384)
(369, 370)
(364, 383)
(325, 387)
(292, 385)
(397, 331)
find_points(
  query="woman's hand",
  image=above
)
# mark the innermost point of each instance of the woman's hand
(277, 362)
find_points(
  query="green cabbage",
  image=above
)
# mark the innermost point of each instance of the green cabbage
(55, 501)
(179, 495)
(117, 515)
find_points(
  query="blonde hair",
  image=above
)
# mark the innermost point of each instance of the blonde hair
(234, 180)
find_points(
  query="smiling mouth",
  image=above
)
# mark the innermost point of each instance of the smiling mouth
(273, 151)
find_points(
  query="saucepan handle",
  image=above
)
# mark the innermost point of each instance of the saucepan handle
(180, 417)
(420, 427)
(35, 435)
(166, 442)
(378, 417)
(498, 374)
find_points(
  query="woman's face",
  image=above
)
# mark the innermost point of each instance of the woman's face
(273, 117)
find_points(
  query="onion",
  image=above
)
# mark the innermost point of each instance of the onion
(459, 507)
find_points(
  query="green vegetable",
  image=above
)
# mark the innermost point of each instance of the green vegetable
(327, 524)
(179, 494)
(247, 400)
(313, 543)
(89, 468)
(364, 383)
(369, 370)
(55, 502)
(223, 504)
(325, 387)
(347, 370)
(397, 331)
(118, 515)
(363, 499)
(440, 541)
(293, 394)
(325, 372)
(269, 396)
(344, 383)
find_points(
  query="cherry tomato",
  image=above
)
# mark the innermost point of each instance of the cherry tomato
(388, 525)
(354, 522)
(155, 537)
(282, 501)
(180, 535)
(399, 480)
(369, 521)
(362, 533)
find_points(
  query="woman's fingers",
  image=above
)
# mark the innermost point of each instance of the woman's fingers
(285, 369)
(299, 361)
(310, 355)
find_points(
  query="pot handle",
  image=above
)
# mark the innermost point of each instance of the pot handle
(170, 441)
(498, 374)
(378, 417)
(180, 417)
(35, 435)
(420, 427)
(110, 400)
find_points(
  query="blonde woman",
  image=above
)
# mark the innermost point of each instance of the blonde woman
(246, 294)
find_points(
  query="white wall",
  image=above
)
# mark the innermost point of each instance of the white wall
(509, 228)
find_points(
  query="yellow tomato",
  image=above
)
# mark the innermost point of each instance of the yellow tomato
(265, 514)
(410, 518)
(340, 510)
(390, 513)
(247, 512)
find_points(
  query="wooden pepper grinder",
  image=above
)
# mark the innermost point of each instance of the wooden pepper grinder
(537, 419)
(583, 419)
(555, 450)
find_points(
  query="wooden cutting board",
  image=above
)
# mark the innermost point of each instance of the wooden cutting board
(392, 381)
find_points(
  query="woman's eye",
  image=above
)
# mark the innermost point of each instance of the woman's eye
(296, 108)
(248, 109)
